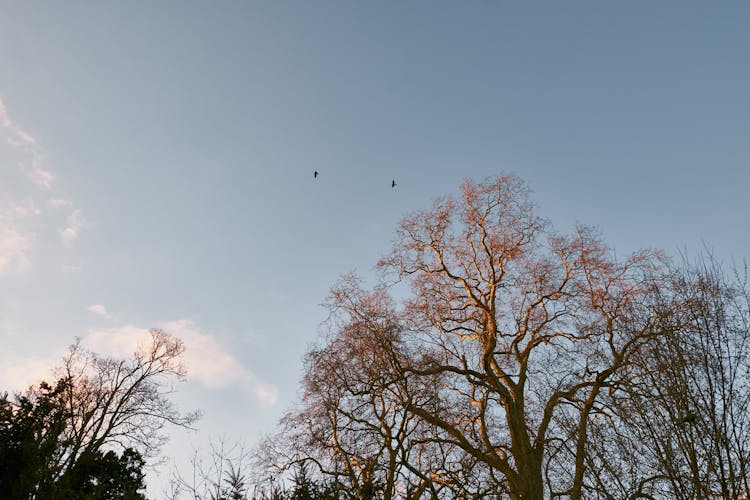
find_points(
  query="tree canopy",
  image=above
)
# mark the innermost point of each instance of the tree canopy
(525, 363)
(89, 434)
(522, 362)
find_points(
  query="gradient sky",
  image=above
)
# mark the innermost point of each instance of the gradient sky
(156, 159)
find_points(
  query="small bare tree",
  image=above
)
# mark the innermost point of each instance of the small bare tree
(686, 410)
(221, 474)
(121, 402)
(91, 432)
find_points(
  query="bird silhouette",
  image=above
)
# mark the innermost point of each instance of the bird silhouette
(315, 174)
(393, 184)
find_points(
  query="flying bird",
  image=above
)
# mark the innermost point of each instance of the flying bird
(315, 174)
(393, 184)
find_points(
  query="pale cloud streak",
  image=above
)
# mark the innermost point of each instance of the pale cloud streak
(18, 373)
(16, 241)
(209, 361)
(19, 139)
(99, 310)
(15, 247)
(16, 135)
(74, 223)
(35, 173)
(58, 203)
(18, 229)
(18, 210)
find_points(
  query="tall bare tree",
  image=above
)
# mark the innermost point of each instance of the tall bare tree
(499, 364)
(527, 327)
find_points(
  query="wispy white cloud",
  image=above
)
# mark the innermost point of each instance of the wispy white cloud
(118, 341)
(18, 232)
(15, 247)
(58, 203)
(74, 223)
(16, 136)
(99, 310)
(19, 139)
(18, 209)
(35, 173)
(16, 241)
(215, 367)
(18, 373)
(208, 361)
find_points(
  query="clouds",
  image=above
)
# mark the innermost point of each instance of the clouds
(19, 373)
(15, 246)
(15, 135)
(74, 223)
(215, 367)
(208, 360)
(16, 240)
(31, 159)
(99, 310)
(42, 178)
(58, 203)
(24, 183)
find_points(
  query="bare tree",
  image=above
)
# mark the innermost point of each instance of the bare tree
(91, 432)
(121, 402)
(527, 327)
(221, 474)
(352, 423)
(686, 412)
(499, 367)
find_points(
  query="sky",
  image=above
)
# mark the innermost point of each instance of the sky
(157, 158)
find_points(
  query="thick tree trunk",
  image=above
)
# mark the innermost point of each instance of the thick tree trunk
(530, 483)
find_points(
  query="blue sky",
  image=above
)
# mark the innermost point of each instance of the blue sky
(157, 158)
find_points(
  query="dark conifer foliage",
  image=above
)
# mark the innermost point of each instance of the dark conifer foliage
(31, 439)
(33, 442)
